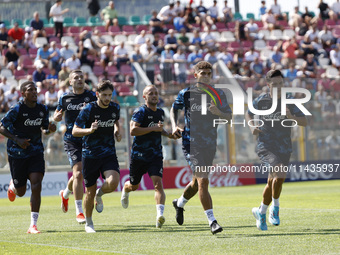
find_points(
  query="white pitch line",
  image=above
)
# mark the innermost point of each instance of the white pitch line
(74, 248)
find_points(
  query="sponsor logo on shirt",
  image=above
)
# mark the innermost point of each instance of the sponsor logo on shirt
(36, 122)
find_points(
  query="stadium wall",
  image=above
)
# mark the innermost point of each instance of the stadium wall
(179, 177)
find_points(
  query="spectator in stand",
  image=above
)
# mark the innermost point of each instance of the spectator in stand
(150, 58)
(212, 16)
(170, 39)
(208, 39)
(276, 9)
(83, 55)
(211, 57)
(106, 55)
(64, 73)
(160, 47)
(289, 48)
(51, 98)
(325, 37)
(257, 68)
(39, 74)
(93, 6)
(335, 85)
(166, 62)
(250, 55)
(156, 24)
(263, 9)
(66, 52)
(328, 110)
(57, 13)
(97, 40)
(12, 57)
(336, 10)
(190, 13)
(110, 15)
(333, 144)
(28, 39)
(324, 10)
(3, 37)
(3, 103)
(227, 13)
(38, 27)
(146, 45)
(196, 40)
(307, 46)
(140, 39)
(4, 85)
(167, 13)
(73, 63)
(307, 16)
(183, 39)
(136, 57)
(63, 88)
(334, 55)
(55, 56)
(291, 72)
(201, 11)
(180, 66)
(181, 21)
(295, 18)
(195, 57)
(121, 55)
(310, 64)
(12, 96)
(52, 77)
(178, 8)
(313, 32)
(276, 56)
(43, 56)
(251, 30)
(16, 35)
(269, 20)
(225, 56)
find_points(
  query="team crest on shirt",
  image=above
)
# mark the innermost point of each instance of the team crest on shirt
(25, 114)
(41, 114)
(74, 157)
(68, 100)
(150, 117)
(96, 116)
(87, 99)
(114, 115)
(15, 181)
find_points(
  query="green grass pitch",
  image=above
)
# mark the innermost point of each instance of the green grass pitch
(310, 224)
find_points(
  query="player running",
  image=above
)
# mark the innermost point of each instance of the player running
(22, 126)
(71, 103)
(98, 124)
(199, 138)
(274, 146)
(146, 155)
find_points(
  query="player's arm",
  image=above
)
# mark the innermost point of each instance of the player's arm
(176, 130)
(80, 132)
(22, 142)
(301, 121)
(137, 130)
(58, 114)
(254, 130)
(223, 115)
(117, 131)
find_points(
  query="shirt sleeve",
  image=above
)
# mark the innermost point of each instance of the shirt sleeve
(138, 115)
(60, 103)
(83, 116)
(294, 109)
(225, 108)
(179, 101)
(10, 117)
(46, 121)
(255, 104)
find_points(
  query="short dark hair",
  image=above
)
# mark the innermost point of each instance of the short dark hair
(273, 73)
(24, 85)
(75, 71)
(103, 85)
(202, 65)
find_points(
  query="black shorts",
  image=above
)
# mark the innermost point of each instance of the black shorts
(268, 158)
(73, 151)
(198, 157)
(139, 167)
(21, 168)
(92, 168)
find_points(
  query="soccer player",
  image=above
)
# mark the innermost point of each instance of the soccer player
(199, 137)
(274, 146)
(71, 103)
(98, 124)
(146, 155)
(22, 125)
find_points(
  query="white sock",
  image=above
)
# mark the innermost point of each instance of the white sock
(125, 194)
(12, 188)
(263, 208)
(276, 202)
(79, 208)
(210, 215)
(89, 221)
(99, 192)
(160, 210)
(67, 193)
(182, 201)
(34, 218)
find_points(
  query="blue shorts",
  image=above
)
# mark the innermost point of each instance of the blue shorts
(22, 167)
(139, 167)
(269, 158)
(73, 151)
(93, 167)
(198, 157)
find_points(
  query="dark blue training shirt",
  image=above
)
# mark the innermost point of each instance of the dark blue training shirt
(277, 139)
(199, 130)
(25, 122)
(147, 147)
(72, 104)
(100, 143)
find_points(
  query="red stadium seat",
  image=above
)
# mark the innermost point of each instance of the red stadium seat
(32, 52)
(114, 30)
(54, 39)
(247, 45)
(139, 28)
(73, 31)
(88, 28)
(126, 70)
(330, 23)
(98, 70)
(19, 73)
(234, 46)
(49, 31)
(129, 30)
(112, 70)
(221, 27)
(124, 90)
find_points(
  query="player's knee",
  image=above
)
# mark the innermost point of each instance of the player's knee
(134, 187)
(278, 180)
(112, 184)
(36, 187)
(158, 186)
(77, 175)
(203, 183)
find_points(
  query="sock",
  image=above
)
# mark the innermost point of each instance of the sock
(66, 193)
(263, 208)
(34, 218)
(276, 202)
(160, 210)
(12, 188)
(182, 201)
(89, 221)
(79, 208)
(210, 215)
(125, 194)
(99, 192)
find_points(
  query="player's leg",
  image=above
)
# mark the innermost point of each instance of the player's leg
(18, 183)
(136, 173)
(160, 200)
(65, 193)
(78, 190)
(90, 193)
